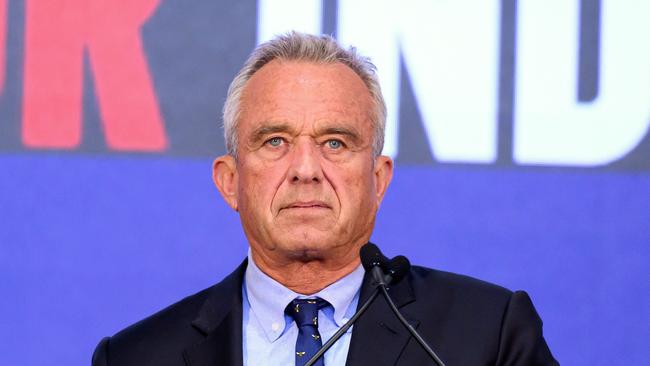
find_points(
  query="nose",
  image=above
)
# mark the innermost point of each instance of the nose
(305, 163)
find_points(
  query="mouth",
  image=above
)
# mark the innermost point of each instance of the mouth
(307, 205)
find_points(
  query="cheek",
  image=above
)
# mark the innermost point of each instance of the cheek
(259, 184)
(355, 189)
(364, 193)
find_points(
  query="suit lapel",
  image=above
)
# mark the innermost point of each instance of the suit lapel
(220, 321)
(378, 338)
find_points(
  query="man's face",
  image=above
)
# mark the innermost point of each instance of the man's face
(306, 184)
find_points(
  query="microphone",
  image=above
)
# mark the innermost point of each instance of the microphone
(375, 262)
(384, 273)
(398, 268)
(378, 265)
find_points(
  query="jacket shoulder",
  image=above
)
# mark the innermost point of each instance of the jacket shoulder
(425, 280)
(172, 316)
(494, 322)
(156, 340)
(161, 338)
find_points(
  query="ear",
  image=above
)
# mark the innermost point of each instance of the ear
(224, 175)
(383, 175)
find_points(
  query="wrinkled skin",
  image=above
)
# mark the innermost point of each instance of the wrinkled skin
(305, 181)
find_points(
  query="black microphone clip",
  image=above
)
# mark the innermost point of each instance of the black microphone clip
(383, 272)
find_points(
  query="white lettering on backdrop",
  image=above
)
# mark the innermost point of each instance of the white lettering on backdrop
(451, 49)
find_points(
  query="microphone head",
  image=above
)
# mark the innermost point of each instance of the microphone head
(398, 267)
(371, 257)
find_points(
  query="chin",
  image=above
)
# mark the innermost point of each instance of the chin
(306, 246)
(306, 255)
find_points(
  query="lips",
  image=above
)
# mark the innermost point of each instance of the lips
(307, 204)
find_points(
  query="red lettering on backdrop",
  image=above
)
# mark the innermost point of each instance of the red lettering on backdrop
(3, 44)
(56, 33)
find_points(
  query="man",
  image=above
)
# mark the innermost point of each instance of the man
(304, 123)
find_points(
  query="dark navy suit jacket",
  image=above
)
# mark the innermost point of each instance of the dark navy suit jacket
(466, 321)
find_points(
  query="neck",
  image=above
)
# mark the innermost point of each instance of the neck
(308, 276)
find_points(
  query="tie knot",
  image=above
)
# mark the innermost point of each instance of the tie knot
(305, 311)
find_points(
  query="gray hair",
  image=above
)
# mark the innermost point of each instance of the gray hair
(304, 47)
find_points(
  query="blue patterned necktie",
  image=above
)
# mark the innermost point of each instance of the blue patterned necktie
(305, 313)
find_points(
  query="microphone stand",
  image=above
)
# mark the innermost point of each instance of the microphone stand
(373, 260)
(343, 329)
(408, 326)
(382, 283)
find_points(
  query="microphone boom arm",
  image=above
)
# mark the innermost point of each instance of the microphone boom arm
(409, 327)
(343, 329)
(375, 263)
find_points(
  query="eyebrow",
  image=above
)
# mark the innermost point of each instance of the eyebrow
(266, 130)
(350, 133)
(261, 132)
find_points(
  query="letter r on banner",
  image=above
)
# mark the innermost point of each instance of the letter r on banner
(56, 34)
(3, 41)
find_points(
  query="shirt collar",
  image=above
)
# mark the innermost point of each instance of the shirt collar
(269, 298)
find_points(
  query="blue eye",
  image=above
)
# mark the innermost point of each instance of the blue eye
(334, 144)
(275, 141)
